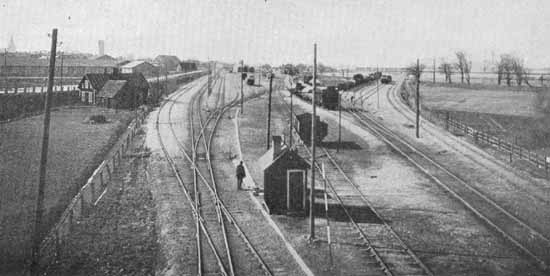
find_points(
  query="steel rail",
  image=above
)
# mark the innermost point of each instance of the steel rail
(382, 131)
(218, 200)
(182, 184)
(203, 127)
(374, 253)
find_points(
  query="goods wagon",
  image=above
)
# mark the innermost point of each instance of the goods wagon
(303, 127)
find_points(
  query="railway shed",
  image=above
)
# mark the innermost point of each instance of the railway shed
(285, 179)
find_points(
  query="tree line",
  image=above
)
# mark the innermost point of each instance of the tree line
(509, 67)
(295, 69)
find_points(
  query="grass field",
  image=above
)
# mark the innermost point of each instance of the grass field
(75, 149)
(491, 101)
(511, 114)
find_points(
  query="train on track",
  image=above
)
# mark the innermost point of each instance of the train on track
(250, 80)
(303, 127)
(386, 79)
(327, 97)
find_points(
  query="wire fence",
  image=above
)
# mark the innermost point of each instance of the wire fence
(89, 195)
(513, 150)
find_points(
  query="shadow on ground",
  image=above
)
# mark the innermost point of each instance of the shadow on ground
(343, 145)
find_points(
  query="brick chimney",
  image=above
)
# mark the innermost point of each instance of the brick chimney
(276, 145)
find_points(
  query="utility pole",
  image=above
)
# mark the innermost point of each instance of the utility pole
(209, 78)
(417, 98)
(43, 161)
(61, 73)
(313, 136)
(242, 94)
(434, 72)
(377, 95)
(5, 69)
(291, 118)
(269, 111)
(339, 121)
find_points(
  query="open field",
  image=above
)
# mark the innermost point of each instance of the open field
(503, 102)
(515, 116)
(76, 148)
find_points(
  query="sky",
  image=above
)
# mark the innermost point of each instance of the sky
(347, 32)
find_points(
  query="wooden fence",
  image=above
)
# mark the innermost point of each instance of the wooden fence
(89, 195)
(513, 150)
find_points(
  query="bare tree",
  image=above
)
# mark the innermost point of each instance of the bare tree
(505, 68)
(463, 66)
(412, 70)
(446, 69)
(467, 71)
(518, 69)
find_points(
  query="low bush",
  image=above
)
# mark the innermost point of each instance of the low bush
(98, 119)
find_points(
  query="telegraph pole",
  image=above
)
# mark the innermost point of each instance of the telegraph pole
(339, 121)
(43, 161)
(61, 73)
(291, 119)
(5, 69)
(434, 72)
(417, 98)
(209, 78)
(313, 140)
(242, 94)
(377, 95)
(269, 111)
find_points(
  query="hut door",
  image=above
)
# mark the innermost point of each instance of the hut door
(295, 181)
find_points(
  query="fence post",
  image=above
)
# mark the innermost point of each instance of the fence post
(546, 165)
(511, 150)
(24, 89)
(33, 89)
(92, 192)
(57, 245)
(109, 170)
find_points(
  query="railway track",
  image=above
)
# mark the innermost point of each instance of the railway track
(212, 217)
(394, 101)
(529, 241)
(380, 241)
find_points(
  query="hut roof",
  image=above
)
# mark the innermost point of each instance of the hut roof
(111, 88)
(267, 160)
(97, 80)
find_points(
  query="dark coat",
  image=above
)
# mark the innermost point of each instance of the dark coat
(240, 171)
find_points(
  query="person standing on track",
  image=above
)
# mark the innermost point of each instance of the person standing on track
(240, 175)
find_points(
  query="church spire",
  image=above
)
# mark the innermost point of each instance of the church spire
(11, 45)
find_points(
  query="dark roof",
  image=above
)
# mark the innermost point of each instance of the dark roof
(111, 88)
(96, 80)
(135, 80)
(105, 57)
(286, 155)
(122, 63)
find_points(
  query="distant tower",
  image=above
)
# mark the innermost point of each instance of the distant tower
(101, 45)
(11, 46)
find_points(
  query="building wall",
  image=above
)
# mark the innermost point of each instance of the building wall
(146, 69)
(42, 71)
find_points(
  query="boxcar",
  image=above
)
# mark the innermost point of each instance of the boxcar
(304, 128)
(330, 98)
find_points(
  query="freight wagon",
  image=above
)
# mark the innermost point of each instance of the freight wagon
(303, 127)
